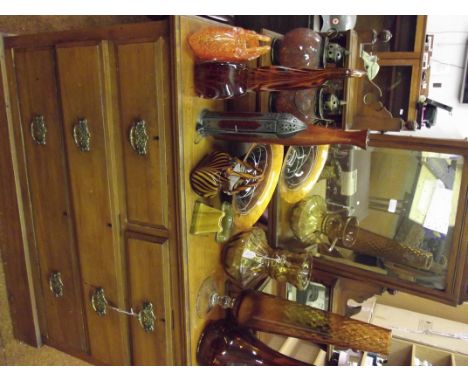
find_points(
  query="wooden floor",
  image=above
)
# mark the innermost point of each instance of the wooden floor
(13, 352)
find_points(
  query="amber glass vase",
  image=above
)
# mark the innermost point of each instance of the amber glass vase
(223, 343)
(272, 314)
(247, 258)
(373, 244)
(223, 80)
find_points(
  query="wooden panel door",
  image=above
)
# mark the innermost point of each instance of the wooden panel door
(82, 75)
(47, 178)
(143, 83)
(148, 275)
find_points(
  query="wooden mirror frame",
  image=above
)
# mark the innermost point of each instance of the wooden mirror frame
(457, 271)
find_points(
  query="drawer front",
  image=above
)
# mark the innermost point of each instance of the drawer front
(84, 99)
(147, 265)
(47, 177)
(143, 84)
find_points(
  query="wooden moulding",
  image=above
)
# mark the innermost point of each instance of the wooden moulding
(129, 32)
(198, 257)
(454, 293)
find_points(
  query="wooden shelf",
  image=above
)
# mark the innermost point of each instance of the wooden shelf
(406, 353)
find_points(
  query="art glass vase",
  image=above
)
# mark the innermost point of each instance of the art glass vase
(272, 314)
(224, 80)
(376, 245)
(251, 181)
(300, 48)
(223, 343)
(228, 44)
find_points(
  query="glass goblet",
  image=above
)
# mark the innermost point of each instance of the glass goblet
(247, 259)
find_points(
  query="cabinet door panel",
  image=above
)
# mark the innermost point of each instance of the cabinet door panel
(81, 72)
(37, 93)
(142, 71)
(148, 269)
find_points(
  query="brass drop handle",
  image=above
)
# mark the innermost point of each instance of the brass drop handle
(39, 130)
(99, 302)
(82, 135)
(145, 315)
(56, 284)
(139, 137)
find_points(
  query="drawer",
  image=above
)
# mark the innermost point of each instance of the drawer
(148, 281)
(82, 75)
(144, 105)
(49, 197)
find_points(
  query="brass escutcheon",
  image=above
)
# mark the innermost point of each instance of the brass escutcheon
(139, 137)
(39, 130)
(56, 284)
(81, 135)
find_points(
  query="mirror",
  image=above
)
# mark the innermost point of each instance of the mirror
(405, 202)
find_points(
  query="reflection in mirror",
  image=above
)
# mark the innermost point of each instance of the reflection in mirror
(406, 204)
(316, 295)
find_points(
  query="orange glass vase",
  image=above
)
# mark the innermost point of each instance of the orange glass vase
(228, 44)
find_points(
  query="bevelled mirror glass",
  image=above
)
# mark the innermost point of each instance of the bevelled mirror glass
(405, 202)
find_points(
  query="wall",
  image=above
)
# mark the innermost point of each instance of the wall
(449, 52)
(425, 306)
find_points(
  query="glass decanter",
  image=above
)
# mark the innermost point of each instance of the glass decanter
(272, 314)
(247, 259)
(311, 222)
(224, 80)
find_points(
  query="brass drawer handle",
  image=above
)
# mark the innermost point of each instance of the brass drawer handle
(81, 135)
(99, 302)
(56, 284)
(145, 316)
(39, 130)
(139, 137)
